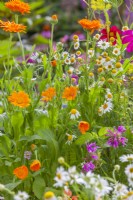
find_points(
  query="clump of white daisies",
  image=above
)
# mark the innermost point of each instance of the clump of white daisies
(91, 184)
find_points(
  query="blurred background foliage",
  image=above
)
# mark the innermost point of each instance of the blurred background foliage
(38, 27)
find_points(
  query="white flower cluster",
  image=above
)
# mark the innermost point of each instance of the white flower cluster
(98, 186)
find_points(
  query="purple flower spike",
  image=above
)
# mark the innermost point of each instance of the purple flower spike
(89, 166)
(121, 129)
(115, 137)
(92, 147)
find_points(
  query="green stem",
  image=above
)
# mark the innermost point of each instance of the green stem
(9, 49)
(21, 44)
(87, 48)
(119, 16)
(51, 41)
(107, 23)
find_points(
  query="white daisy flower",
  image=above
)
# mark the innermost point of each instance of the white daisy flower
(72, 60)
(74, 114)
(130, 181)
(118, 66)
(67, 61)
(76, 45)
(114, 72)
(129, 195)
(129, 171)
(56, 56)
(109, 96)
(97, 36)
(125, 28)
(120, 190)
(78, 53)
(21, 196)
(100, 61)
(108, 65)
(127, 158)
(103, 44)
(65, 54)
(102, 187)
(116, 51)
(75, 38)
(90, 53)
(70, 138)
(106, 107)
(62, 177)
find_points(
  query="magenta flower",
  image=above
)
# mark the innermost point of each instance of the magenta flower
(89, 166)
(94, 156)
(92, 147)
(115, 138)
(128, 38)
(112, 33)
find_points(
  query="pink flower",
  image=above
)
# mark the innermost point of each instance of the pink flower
(128, 38)
(112, 33)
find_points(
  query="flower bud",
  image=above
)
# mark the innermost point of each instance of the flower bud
(117, 167)
(61, 160)
(54, 19)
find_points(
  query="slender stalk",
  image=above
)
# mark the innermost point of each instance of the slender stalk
(107, 23)
(119, 16)
(87, 48)
(9, 49)
(21, 44)
(51, 41)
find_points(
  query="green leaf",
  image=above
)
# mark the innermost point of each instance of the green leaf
(30, 138)
(103, 131)
(38, 187)
(85, 138)
(12, 186)
(5, 145)
(17, 120)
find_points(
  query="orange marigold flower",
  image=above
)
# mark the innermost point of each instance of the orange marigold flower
(12, 27)
(70, 93)
(48, 94)
(53, 63)
(21, 172)
(90, 25)
(20, 99)
(35, 165)
(18, 6)
(83, 126)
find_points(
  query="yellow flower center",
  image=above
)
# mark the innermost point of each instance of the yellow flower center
(70, 137)
(49, 194)
(105, 106)
(73, 111)
(58, 175)
(131, 170)
(111, 34)
(109, 96)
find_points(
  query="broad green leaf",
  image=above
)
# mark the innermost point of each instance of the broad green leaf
(38, 187)
(85, 138)
(103, 131)
(12, 186)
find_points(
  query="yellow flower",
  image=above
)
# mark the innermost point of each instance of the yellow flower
(100, 5)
